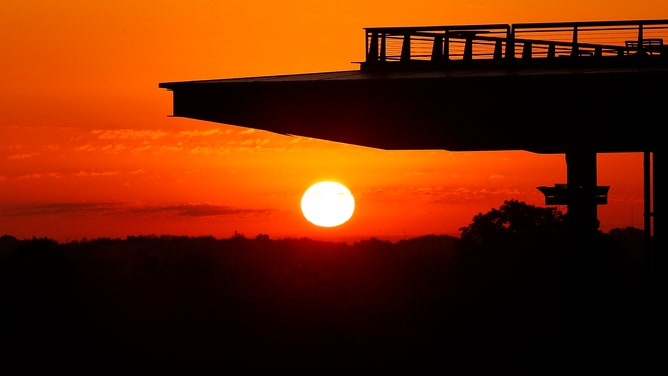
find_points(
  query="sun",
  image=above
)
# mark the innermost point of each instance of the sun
(328, 204)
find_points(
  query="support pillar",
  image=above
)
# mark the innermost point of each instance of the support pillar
(582, 224)
(582, 214)
(658, 327)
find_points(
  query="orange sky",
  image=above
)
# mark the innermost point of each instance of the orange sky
(88, 148)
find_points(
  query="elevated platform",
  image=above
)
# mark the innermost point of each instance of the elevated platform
(577, 88)
(614, 106)
(541, 87)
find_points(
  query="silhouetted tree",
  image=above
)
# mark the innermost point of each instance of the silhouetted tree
(511, 222)
(510, 274)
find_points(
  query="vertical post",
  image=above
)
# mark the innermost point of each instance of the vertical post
(575, 50)
(581, 176)
(468, 47)
(372, 48)
(582, 224)
(640, 38)
(446, 46)
(510, 44)
(406, 48)
(647, 210)
(526, 50)
(383, 48)
(551, 51)
(658, 240)
(437, 48)
(659, 279)
(498, 50)
(647, 260)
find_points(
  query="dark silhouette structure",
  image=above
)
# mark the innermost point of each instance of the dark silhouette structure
(576, 88)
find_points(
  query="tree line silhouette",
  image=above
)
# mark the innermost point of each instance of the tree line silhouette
(495, 298)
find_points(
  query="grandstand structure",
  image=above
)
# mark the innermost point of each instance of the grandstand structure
(575, 88)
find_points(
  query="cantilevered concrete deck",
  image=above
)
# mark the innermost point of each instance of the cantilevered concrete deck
(618, 106)
(542, 87)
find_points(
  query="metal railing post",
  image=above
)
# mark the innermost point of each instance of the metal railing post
(406, 48)
(372, 48)
(575, 51)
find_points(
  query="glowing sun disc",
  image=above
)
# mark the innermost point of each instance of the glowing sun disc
(328, 204)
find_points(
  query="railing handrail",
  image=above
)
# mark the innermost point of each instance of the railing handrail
(402, 29)
(508, 37)
(522, 25)
(538, 25)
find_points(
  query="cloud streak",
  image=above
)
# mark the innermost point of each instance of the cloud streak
(22, 156)
(198, 210)
(124, 208)
(54, 209)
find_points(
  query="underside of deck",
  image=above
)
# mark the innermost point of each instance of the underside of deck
(540, 109)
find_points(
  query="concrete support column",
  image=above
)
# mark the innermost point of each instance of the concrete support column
(581, 181)
(658, 327)
(582, 224)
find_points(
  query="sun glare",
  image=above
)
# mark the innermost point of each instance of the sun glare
(328, 204)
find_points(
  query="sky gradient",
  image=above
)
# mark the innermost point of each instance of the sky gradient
(88, 149)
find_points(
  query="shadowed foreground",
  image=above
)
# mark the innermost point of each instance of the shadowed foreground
(179, 305)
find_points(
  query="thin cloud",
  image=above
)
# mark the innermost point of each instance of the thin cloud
(436, 194)
(86, 147)
(129, 134)
(17, 146)
(113, 148)
(35, 176)
(95, 173)
(22, 156)
(54, 208)
(207, 150)
(119, 208)
(51, 147)
(200, 210)
(213, 141)
(198, 133)
(255, 142)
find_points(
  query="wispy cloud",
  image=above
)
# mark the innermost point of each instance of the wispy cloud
(22, 156)
(119, 208)
(113, 148)
(129, 134)
(95, 173)
(438, 194)
(54, 208)
(214, 141)
(496, 177)
(199, 210)
(78, 174)
(36, 175)
(86, 147)
(202, 133)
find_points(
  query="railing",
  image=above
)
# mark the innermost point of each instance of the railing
(435, 43)
(517, 41)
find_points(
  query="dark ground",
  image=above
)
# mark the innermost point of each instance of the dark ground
(176, 305)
